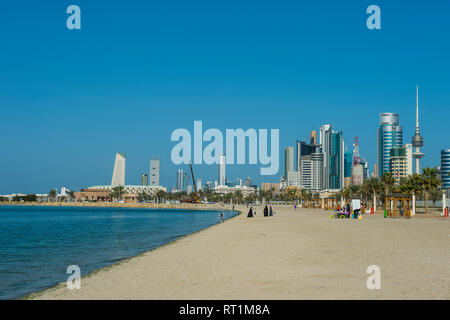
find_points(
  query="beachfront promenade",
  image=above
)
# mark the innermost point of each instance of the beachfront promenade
(297, 254)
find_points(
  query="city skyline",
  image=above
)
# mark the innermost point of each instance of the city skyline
(69, 96)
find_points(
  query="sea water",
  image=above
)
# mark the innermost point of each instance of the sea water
(37, 244)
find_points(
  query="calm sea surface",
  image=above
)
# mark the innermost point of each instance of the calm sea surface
(37, 244)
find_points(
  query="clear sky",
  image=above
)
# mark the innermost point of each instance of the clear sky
(137, 70)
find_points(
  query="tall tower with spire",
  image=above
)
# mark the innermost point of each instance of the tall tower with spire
(417, 140)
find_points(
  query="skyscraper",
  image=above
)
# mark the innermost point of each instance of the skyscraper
(118, 178)
(332, 143)
(222, 174)
(417, 140)
(180, 177)
(185, 182)
(288, 160)
(154, 172)
(445, 169)
(144, 179)
(390, 135)
(348, 161)
(409, 153)
(399, 162)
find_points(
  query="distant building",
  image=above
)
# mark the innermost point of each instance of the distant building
(144, 179)
(313, 137)
(248, 182)
(409, 156)
(180, 177)
(267, 186)
(199, 184)
(293, 179)
(445, 170)
(348, 162)
(357, 174)
(222, 174)
(365, 165)
(118, 178)
(332, 143)
(390, 135)
(154, 172)
(185, 181)
(225, 190)
(288, 160)
(312, 171)
(398, 163)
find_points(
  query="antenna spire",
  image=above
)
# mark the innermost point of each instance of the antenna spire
(417, 109)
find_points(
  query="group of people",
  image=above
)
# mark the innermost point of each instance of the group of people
(268, 212)
(346, 211)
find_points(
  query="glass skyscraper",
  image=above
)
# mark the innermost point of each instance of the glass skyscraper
(390, 135)
(348, 162)
(445, 169)
(332, 143)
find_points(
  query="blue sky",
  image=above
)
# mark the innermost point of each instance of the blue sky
(137, 70)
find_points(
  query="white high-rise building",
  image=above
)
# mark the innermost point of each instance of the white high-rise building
(180, 176)
(222, 176)
(288, 161)
(409, 157)
(118, 178)
(154, 172)
(293, 179)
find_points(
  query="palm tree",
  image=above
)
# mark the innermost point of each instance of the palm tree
(388, 181)
(291, 193)
(435, 195)
(118, 192)
(160, 195)
(52, 194)
(71, 195)
(429, 183)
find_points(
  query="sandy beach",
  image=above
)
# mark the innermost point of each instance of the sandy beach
(297, 254)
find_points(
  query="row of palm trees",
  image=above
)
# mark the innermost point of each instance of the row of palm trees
(425, 185)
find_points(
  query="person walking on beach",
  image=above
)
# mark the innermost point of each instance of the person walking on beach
(221, 216)
(271, 211)
(266, 211)
(250, 213)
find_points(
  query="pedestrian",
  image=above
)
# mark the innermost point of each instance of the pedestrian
(271, 211)
(221, 216)
(250, 213)
(266, 211)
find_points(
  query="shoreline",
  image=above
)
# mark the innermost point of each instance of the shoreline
(61, 285)
(191, 206)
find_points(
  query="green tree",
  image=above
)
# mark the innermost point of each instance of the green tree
(52, 194)
(117, 192)
(161, 195)
(429, 183)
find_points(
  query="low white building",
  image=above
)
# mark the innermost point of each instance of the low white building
(225, 190)
(152, 190)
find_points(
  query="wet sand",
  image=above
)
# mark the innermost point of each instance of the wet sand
(297, 254)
